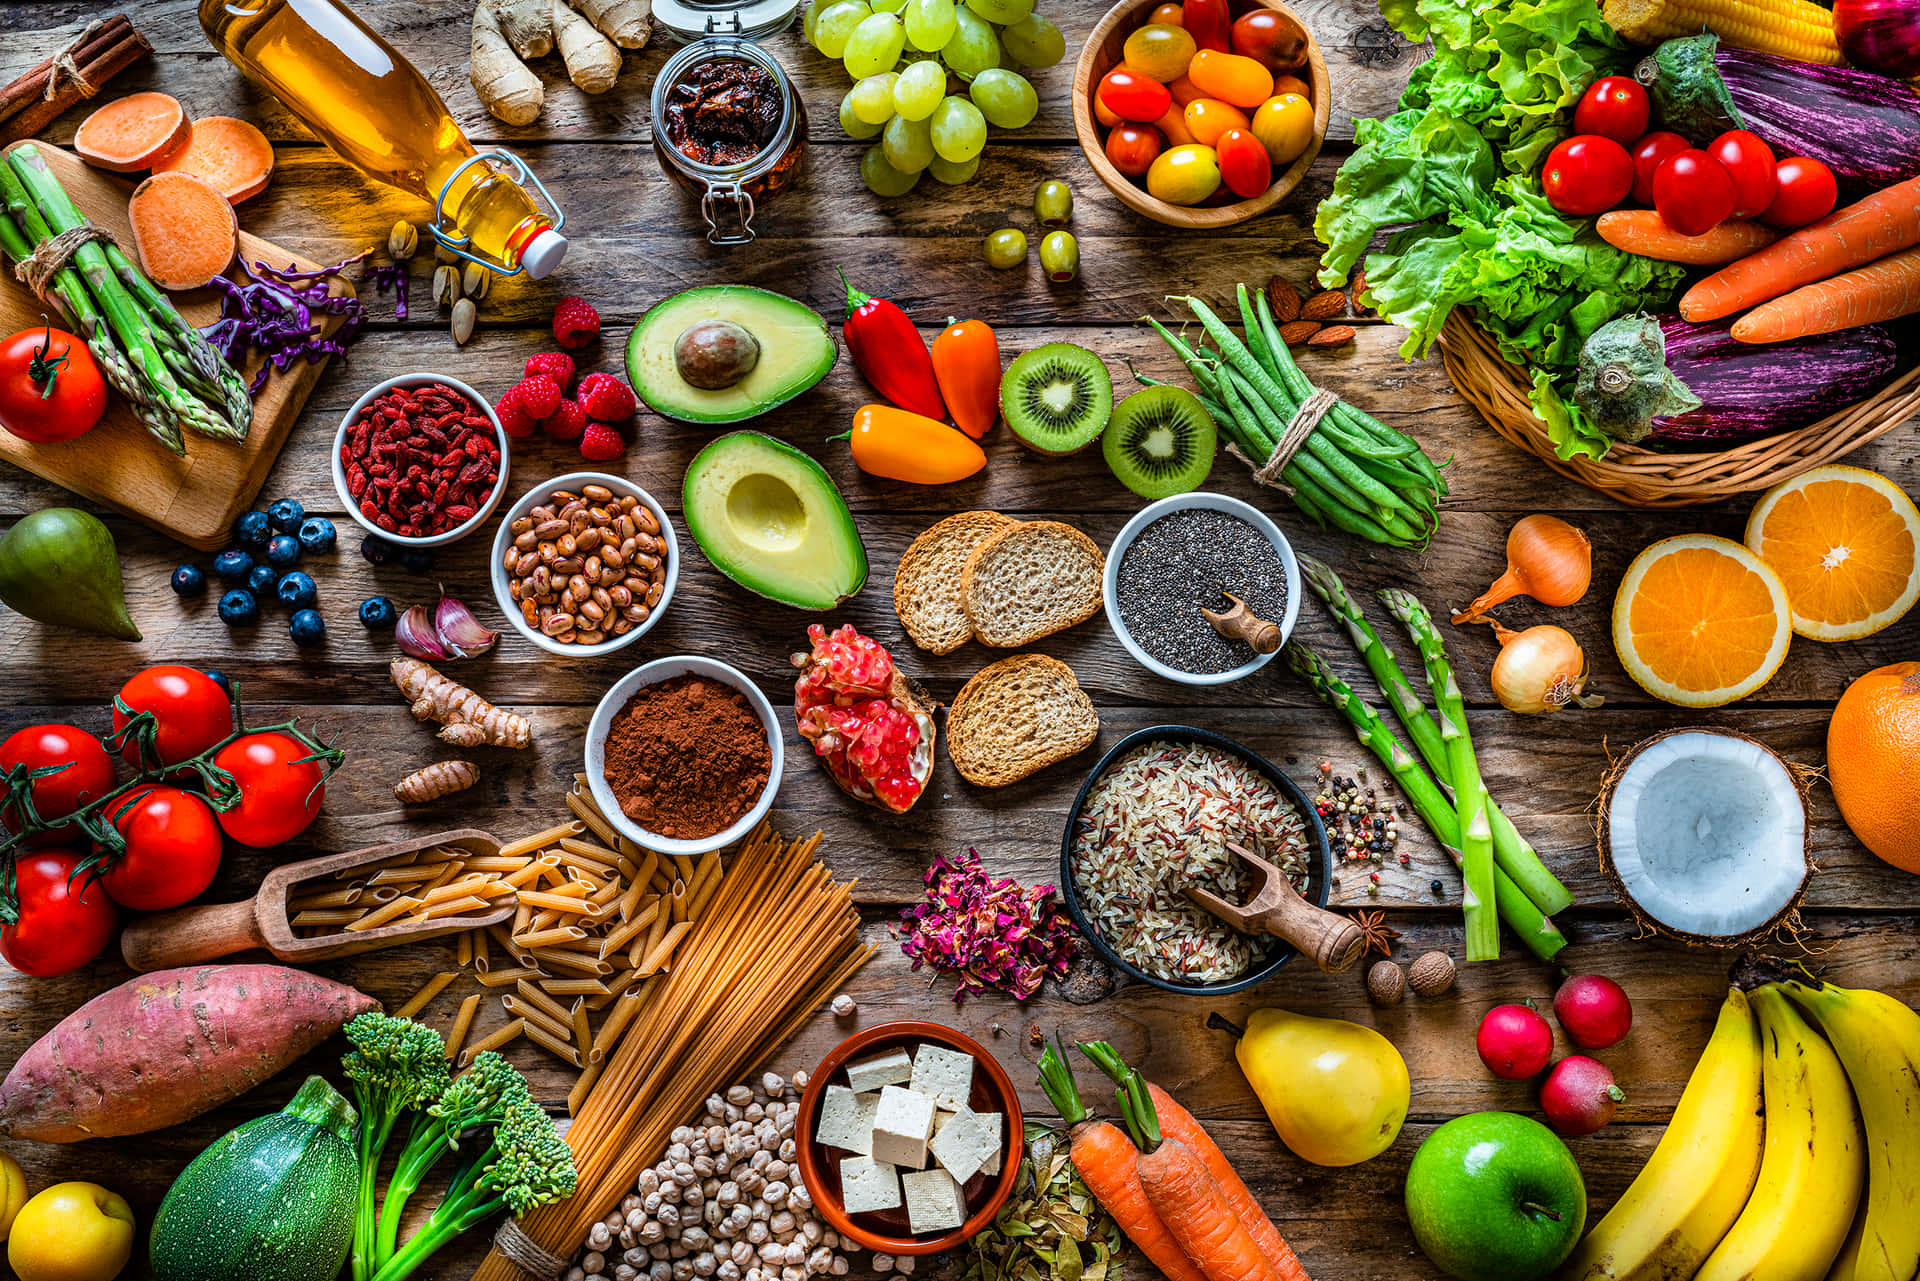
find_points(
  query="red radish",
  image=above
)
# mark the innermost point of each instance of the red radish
(1594, 1010)
(1579, 1095)
(1514, 1042)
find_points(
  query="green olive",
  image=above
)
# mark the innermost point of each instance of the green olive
(1006, 248)
(1060, 256)
(1053, 203)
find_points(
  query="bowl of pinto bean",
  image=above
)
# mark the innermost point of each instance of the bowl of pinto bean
(585, 563)
(420, 460)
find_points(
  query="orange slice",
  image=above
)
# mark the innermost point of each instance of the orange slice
(1846, 544)
(1700, 621)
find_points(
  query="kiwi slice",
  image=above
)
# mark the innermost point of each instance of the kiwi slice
(1056, 398)
(1160, 442)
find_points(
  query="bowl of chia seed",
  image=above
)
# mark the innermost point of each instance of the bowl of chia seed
(1176, 558)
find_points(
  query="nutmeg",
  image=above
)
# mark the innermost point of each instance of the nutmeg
(1431, 973)
(1386, 983)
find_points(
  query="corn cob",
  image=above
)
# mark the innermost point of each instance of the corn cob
(1797, 29)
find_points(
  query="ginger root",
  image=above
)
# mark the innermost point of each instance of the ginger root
(439, 779)
(627, 23)
(470, 720)
(505, 86)
(593, 61)
(527, 25)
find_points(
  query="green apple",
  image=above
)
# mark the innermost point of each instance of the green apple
(1494, 1196)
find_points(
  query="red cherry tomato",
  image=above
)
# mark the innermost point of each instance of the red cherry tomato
(1614, 107)
(1649, 154)
(173, 849)
(1587, 174)
(1807, 193)
(1693, 192)
(279, 792)
(1749, 162)
(1132, 148)
(191, 710)
(1270, 38)
(86, 773)
(50, 389)
(1245, 167)
(1209, 22)
(64, 922)
(1132, 96)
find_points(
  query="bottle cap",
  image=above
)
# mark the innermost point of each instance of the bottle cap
(544, 253)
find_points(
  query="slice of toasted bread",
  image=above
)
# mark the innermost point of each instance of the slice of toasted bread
(1017, 716)
(1032, 579)
(926, 587)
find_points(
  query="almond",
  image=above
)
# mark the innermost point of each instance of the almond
(1324, 305)
(1332, 336)
(1359, 287)
(1284, 299)
(1295, 332)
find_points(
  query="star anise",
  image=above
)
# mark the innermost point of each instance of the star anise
(1376, 934)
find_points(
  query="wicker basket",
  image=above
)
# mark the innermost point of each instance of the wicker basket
(1640, 477)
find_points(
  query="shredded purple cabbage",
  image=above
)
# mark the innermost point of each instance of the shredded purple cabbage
(991, 932)
(275, 313)
(393, 276)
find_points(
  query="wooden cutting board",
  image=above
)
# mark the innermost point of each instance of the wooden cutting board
(119, 463)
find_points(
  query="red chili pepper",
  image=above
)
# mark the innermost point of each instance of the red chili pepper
(890, 352)
(1209, 22)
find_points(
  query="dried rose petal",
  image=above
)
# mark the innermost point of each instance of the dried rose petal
(990, 931)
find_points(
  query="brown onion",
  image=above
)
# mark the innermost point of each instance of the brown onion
(1539, 670)
(1547, 559)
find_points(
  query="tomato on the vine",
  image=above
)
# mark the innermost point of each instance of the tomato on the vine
(85, 774)
(1807, 193)
(280, 792)
(1587, 174)
(1614, 107)
(65, 920)
(172, 852)
(1693, 193)
(1649, 154)
(1132, 148)
(191, 711)
(1749, 162)
(50, 389)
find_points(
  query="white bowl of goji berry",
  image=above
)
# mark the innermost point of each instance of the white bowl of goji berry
(420, 421)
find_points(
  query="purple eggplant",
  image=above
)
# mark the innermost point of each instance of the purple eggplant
(1669, 381)
(1865, 127)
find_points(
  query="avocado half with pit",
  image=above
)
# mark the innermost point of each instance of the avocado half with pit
(723, 353)
(770, 518)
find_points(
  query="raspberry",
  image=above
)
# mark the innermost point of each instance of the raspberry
(566, 422)
(602, 443)
(575, 322)
(556, 365)
(538, 395)
(513, 414)
(606, 399)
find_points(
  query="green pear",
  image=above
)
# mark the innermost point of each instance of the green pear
(60, 566)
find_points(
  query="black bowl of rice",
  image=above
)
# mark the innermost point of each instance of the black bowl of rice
(1153, 817)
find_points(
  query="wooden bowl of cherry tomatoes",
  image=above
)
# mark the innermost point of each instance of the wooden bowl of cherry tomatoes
(1201, 113)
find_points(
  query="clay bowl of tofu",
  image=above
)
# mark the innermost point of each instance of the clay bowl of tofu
(909, 1136)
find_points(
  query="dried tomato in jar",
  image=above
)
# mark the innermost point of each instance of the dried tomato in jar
(730, 128)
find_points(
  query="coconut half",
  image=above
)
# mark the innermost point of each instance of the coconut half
(1703, 833)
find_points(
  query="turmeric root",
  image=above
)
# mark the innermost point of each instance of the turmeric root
(627, 23)
(505, 86)
(470, 720)
(439, 779)
(593, 61)
(527, 25)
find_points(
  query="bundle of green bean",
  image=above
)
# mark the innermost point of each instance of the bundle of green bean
(1352, 472)
(168, 372)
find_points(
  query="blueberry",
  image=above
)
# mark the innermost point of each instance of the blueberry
(416, 560)
(220, 678)
(238, 607)
(376, 550)
(261, 580)
(307, 628)
(232, 565)
(285, 514)
(282, 550)
(377, 614)
(296, 589)
(316, 534)
(189, 581)
(252, 528)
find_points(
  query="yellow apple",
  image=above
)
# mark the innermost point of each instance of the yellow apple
(13, 1192)
(71, 1232)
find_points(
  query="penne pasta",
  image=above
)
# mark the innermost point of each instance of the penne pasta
(501, 978)
(536, 1017)
(582, 1033)
(492, 1041)
(547, 938)
(328, 916)
(664, 948)
(558, 1046)
(428, 990)
(462, 1024)
(385, 913)
(533, 844)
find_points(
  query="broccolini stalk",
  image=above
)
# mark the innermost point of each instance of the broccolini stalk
(395, 1066)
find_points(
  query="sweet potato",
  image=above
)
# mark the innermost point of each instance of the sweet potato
(127, 134)
(183, 229)
(232, 156)
(164, 1047)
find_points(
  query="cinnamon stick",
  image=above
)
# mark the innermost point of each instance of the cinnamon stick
(31, 87)
(103, 57)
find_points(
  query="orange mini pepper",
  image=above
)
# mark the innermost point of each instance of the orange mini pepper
(901, 445)
(966, 360)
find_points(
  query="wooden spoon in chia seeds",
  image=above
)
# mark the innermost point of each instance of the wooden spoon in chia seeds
(1331, 941)
(1239, 623)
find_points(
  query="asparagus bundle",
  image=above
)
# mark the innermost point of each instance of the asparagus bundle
(164, 368)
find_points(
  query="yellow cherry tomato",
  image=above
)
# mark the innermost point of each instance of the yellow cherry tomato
(1174, 125)
(1183, 91)
(1167, 15)
(1207, 118)
(1184, 175)
(1231, 78)
(1284, 126)
(1292, 84)
(1160, 51)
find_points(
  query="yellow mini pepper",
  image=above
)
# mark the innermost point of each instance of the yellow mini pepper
(900, 445)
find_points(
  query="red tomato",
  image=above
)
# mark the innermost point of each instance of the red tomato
(1693, 192)
(1807, 193)
(1245, 167)
(1132, 148)
(64, 921)
(1270, 38)
(1614, 107)
(1749, 162)
(1649, 154)
(86, 773)
(50, 389)
(1587, 174)
(1208, 22)
(1132, 96)
(279, 791)
(191, 711)
(173, 849)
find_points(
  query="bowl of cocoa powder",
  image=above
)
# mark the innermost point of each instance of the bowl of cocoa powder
(684, 755)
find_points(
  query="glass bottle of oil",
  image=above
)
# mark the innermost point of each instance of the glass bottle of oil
(379, 113)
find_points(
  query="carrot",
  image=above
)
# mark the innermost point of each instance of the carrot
(183, 229)
(1886, 290)
(232, 156)
(1883, 223)
(1646, 233)
(128, 133)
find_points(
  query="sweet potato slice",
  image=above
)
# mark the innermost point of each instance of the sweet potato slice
(129, 133)
(230, 154)
(184, 230)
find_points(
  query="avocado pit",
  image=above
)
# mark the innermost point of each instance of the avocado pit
(713, 354)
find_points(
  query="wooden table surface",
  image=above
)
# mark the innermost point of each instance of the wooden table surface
(633, 243)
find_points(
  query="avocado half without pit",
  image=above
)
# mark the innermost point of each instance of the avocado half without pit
(724, 353)
(770, 518)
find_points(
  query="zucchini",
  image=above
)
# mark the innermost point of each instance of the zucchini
(273, 1200)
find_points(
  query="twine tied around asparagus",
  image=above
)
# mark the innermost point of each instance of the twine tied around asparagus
(521, 1250)
(1299, 427)
(37, 270)
(64, 64)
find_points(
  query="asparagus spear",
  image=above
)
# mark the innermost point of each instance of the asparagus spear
(1469, 795)
(1536, 930)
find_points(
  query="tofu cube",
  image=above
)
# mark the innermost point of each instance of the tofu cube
(846, 1120)
(935, 1202)
(901, 1126)
(964, 1141)
(944, 1075)
(868, 1075)
(867, 1185)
